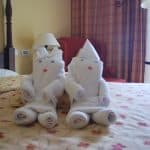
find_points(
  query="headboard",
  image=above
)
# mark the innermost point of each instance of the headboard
(70, 47)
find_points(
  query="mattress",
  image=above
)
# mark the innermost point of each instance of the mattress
(131, 101)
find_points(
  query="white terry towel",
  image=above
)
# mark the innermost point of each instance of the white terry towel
(77, 119)
(24, 116)
(42, 88)
(86, 87)
(44, 112)
(105, 117)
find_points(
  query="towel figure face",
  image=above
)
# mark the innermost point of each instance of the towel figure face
(47, 67)
(86, 70)
(48, 64)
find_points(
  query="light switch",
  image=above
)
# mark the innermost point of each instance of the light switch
(25, 52)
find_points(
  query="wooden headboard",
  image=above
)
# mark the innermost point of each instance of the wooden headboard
(7, 58)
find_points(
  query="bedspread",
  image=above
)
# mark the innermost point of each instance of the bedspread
(131, 102)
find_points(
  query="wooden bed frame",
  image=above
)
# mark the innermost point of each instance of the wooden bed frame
(7, 58)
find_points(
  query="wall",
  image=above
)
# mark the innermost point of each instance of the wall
(32, 17)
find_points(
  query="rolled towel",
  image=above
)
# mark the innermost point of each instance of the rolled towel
(54, 90)
(27, 88)
(75, 91)
(104, 117)
(48, 119)
(27, 96)
(24, 116)
(77, 119)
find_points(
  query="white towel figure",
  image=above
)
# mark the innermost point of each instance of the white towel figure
(87, 90)
(41, 89)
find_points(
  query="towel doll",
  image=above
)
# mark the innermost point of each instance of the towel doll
(41, 89)
(87, 90)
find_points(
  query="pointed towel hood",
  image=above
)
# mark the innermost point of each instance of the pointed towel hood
(88, 51)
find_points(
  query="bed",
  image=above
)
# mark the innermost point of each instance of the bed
(131, 131)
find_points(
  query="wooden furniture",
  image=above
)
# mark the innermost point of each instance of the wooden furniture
(7, 59)
(1, 60)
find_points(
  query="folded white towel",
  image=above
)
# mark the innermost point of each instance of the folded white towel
(104, 117)
(48, 119)
(77, 119)
(24, 116)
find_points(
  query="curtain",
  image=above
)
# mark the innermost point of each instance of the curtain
(118, 29)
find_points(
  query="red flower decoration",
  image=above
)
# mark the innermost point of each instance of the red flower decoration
(83, 144)
(147, 142)
(45, 70)
(63, 112)
(124, 106)
(30, 147)
(90, 67)
(118, 95)
(96, 132)
(50, 131)
(122, 116)
(1, 135)
(118, 146)
(143, 124)
(119, 123)
(130, 99)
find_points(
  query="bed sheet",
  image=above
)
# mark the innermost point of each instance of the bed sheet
(131, 102)
(10, 83)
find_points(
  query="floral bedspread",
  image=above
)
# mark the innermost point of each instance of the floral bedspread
(131, 131)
